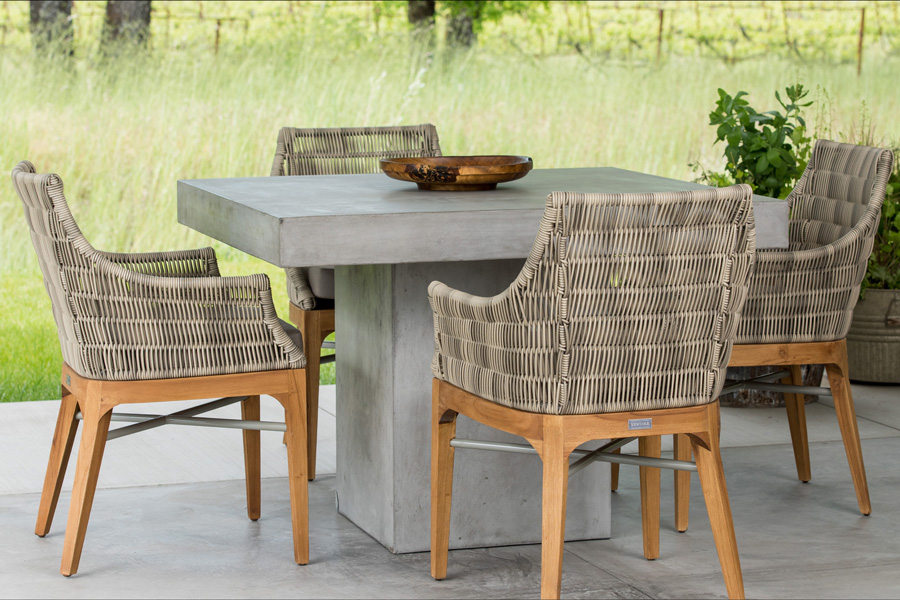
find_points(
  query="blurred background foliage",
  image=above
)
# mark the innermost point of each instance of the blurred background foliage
(572, 84)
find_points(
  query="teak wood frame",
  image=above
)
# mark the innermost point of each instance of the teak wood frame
(96, 399)
(315, 325)
(791, 355)
(554, 437)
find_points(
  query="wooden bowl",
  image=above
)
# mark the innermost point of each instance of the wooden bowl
(458, 173)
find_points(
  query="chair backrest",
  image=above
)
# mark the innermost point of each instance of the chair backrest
(841, 190)
(146, 316)
(61, 248)
(350, 150)
(635, 299)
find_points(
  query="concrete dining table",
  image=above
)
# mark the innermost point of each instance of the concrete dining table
(387, 241)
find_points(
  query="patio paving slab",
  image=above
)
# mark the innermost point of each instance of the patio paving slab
(194, 540)
(175, 524)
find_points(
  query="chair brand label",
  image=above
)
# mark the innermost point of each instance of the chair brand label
(640, 423)
(68, 380)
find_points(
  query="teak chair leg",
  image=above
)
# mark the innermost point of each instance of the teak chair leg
(252, 459)
(443, 429)
(796, 412)
(87, 471)
(312, 348)
(294, 404)
(712, 480)
(554, 437)
(682, 451)
(650, 446)
(314, 326)
(60, 450)
(846, 415)
(555, 459)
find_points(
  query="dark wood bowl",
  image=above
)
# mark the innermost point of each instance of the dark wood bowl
(458, 173)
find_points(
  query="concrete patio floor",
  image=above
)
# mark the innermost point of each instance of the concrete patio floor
(169, 521)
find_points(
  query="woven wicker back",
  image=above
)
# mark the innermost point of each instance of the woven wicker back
(147, 316)
(56, 239)
(627, 302)
(843, 186)
(349, 150)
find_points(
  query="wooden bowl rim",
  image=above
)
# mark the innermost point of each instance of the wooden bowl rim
(468, 164)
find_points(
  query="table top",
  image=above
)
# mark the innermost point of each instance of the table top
(372, 219)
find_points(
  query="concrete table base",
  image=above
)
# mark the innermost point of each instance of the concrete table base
(386, 340)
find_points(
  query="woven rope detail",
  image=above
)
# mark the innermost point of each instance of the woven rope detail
(147, 316)
(626, 302)
(344, 151)
(807, 293)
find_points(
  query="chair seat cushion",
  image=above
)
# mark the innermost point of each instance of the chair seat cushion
(321, 281)
(293, 333)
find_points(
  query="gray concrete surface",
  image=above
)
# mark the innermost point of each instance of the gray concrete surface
(372, 219)
(194, 540)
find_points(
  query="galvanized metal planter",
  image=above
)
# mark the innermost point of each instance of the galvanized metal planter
(873, 342)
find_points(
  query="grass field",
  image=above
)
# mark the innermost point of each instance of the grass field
(121, 135)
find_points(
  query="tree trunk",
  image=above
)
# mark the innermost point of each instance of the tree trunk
(127, 23)
(421, 16)
(51, 26)
(420, 13)
(460, 30)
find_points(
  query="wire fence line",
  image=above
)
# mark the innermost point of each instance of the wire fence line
(636, 30)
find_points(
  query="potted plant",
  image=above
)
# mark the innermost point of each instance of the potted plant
(873, 342)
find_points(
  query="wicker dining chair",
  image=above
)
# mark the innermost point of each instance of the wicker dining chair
(619, 326)
(157, 327)
(801, 302)
(334, 151)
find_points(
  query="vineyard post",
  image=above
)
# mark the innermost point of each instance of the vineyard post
(859, 46)
(168, 26)
(218, 29)
(659, 36)
(590, 27)
(787, 31)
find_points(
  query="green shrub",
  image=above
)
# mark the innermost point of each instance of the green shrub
(884, 264)
(767, 150)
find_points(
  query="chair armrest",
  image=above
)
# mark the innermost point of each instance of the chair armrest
(480, 343)
(804, 295)
(848, 251)
(183, 263)
(138, 326)
(299, 291)
(449, 302)
(838, 266)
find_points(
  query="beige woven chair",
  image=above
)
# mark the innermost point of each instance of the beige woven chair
(619, 326)
(334, 151)
(157, 327)
(801, 303)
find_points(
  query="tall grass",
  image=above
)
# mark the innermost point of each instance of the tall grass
(121, 134)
